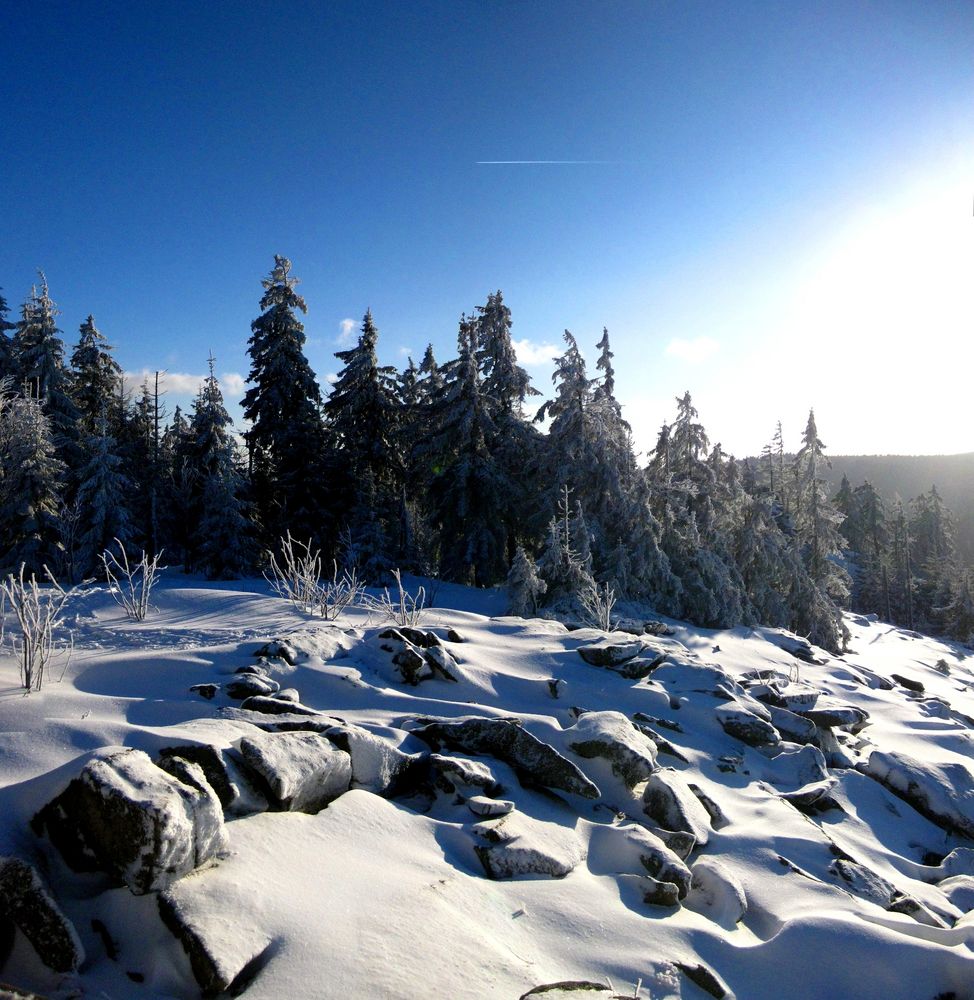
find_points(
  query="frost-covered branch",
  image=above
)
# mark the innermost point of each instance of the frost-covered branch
(597, 604)
(38, 611)
(402, 607)
(131, 585)
(297, 578)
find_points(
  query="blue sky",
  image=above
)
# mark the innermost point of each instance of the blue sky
(780, 214)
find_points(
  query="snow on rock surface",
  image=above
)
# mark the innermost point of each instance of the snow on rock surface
(669, 801)
(610, 736)
(943, 792)
(302, 772)
(127, 817)
(518, 846)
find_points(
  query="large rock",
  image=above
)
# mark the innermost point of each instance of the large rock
(127, 817)
(792, 726)
(609, 653)
(224, 772)
(26, 903)
(534, 761)
(745, 726)
(632, 849)
(717, 892)
(836, 716)
(517, 846)
(300, 772)
(224, 954)
(804, 766)
(669, 801)
(611, 736)
(377, 765)
(944, 793)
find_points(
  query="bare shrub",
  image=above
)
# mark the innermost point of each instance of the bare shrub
(38, 611)
(597, 604)
(131, 584)
(297, 578)
(400, 607)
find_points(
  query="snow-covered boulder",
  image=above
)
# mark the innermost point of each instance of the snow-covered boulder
(800, 767)
(27, 904)
(299, 771)
(745, 726)
(225, 773)
(612, 737)
(247, 685)
(482, 805)
(452, 774)
(127, 817)
(518, 846)
(716, 892)
(632, 849)
(669, 801)
(377, 765)
(225, 953)
(791, 726)
(534, 761)
(959, 889)
(944, 793)
(832, 715)
(609, 653)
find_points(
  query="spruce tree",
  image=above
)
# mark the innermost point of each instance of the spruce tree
(31, 479)
(221, 546)
(286, 435)
(96, 376)
(524, 585)
(6, 345)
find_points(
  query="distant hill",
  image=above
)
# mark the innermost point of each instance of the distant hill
(911, 475)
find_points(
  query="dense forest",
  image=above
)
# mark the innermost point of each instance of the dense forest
(437, 470)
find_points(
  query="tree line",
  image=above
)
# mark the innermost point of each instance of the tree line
(439, 470)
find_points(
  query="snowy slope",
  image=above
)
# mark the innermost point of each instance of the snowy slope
(379, 896)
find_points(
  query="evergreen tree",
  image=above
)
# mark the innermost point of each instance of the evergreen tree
(820, 543)
(562, 566)
(103, 490)
(41, 372)
(221, 546)
(286, 436)
(96, 377)
(957, 615)
(31, 477)
(467, 487)
(6, 345)
(524, 585)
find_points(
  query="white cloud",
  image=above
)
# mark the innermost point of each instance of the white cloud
(232, 384)
(535, 354)
(694, 351)
(405, 352)
(346, 337)
(331, 378)
(182, 383)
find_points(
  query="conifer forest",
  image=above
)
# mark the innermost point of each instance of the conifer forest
(439, 470)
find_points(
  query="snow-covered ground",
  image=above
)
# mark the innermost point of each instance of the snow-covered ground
(812, 875)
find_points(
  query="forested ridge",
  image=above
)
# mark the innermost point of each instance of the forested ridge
(438, 470)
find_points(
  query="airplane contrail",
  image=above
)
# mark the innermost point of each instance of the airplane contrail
(494, 163)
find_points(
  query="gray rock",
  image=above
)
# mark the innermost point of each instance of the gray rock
(903, 903)
(299, 771)
(745, 726)
(221, 964)
(267, 705)
(442, 662)
(481, 805)
(377, 765)
(452, 635)
(450, 774)
(909, 683)
(413, 666)
(810, 794)
(679, 842)
(837, 717)
(27, 904)
(609, 653)
(792, 726)
(127, 817)
(572, 989)
(207, 691)
(611, 736)
(517, 846)
(717, 892)
(250, 685)
(278, 649)
(669, 801)
(863, 882)
(704, 978)
(225, 772)
(534, 761)
(944, 793)
(633, 848)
